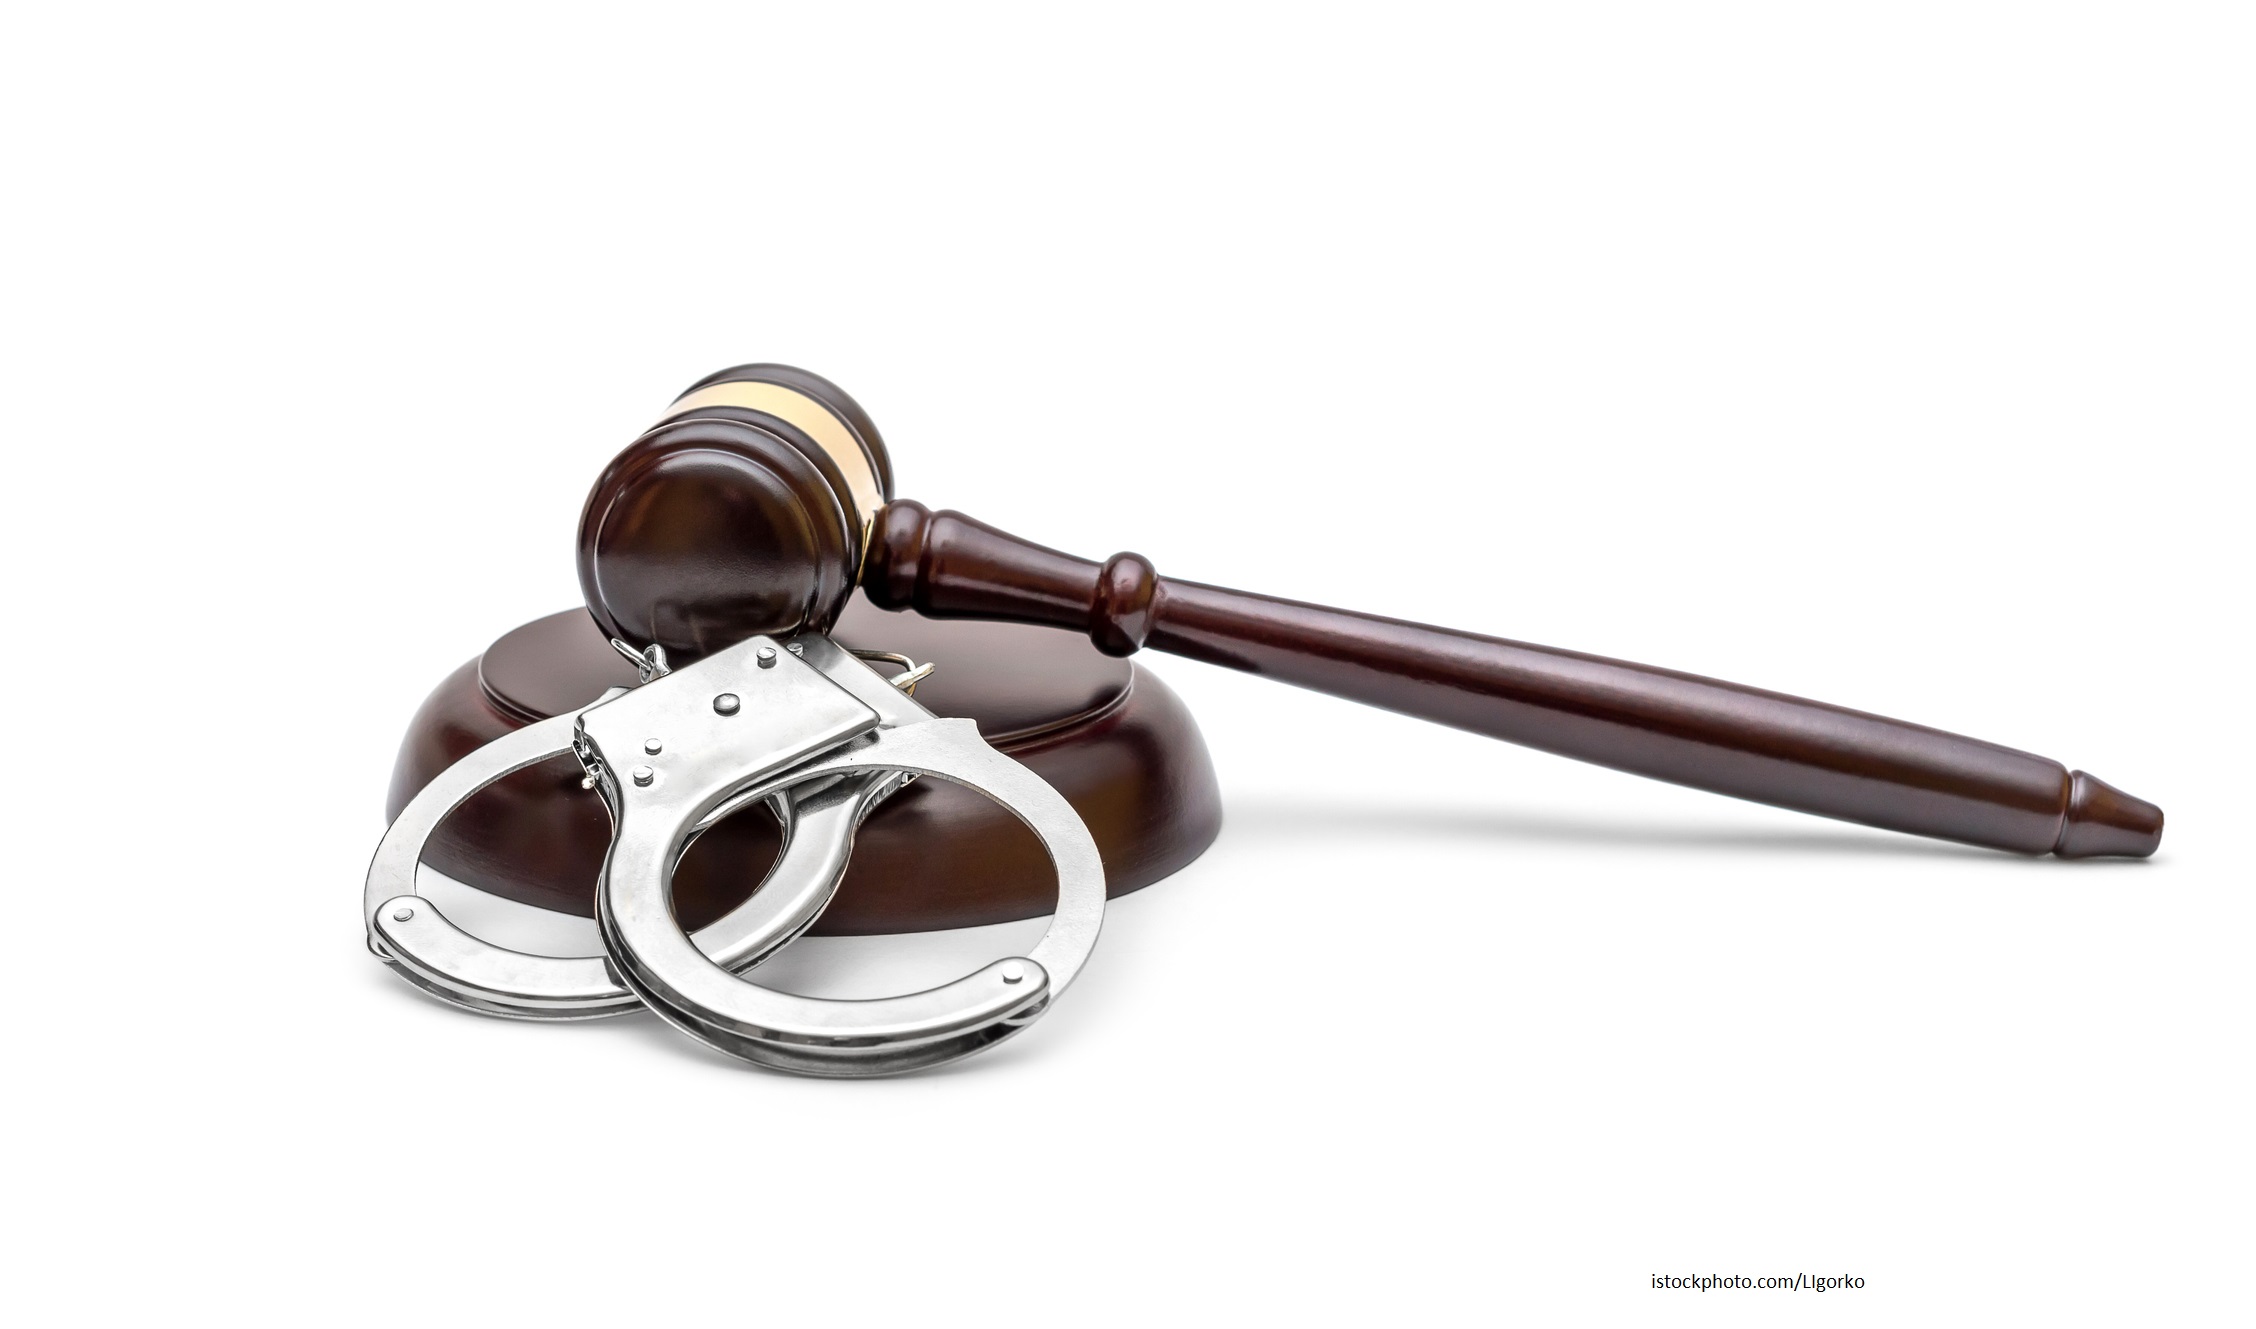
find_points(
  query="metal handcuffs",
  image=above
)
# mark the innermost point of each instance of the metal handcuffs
(822, 739)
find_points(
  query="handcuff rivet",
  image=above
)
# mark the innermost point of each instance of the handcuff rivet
(652, 746)
(402, 915)
(726, 703)
(1014, 972)
(797, 648)
(643, 775)
(766, 656)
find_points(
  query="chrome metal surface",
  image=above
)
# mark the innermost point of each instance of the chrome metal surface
(817, 1036)
(911, 673)
(649, 662)
(821, 738)
(414, 936)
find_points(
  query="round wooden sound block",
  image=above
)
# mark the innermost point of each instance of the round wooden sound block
(1107, 734)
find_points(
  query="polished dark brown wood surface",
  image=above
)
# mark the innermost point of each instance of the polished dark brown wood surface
(710, 552)
(659, 559)
(1701, 732)
(1113, 739)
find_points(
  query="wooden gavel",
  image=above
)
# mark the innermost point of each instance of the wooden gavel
(765, 496)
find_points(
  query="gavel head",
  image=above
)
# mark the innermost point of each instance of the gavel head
(747, 509)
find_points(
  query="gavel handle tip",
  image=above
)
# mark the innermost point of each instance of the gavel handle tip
(2105, 822)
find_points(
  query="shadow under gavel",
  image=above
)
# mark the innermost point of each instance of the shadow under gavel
(765, 496)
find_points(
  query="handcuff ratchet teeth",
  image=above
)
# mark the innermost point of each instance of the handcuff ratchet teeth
(821, 738)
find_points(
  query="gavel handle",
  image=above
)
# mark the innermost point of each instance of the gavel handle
(1688, 730)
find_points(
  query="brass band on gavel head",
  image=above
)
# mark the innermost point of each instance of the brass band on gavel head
(761, 476)
(818, 409)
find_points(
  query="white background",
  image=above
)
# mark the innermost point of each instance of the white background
(1898, 356)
